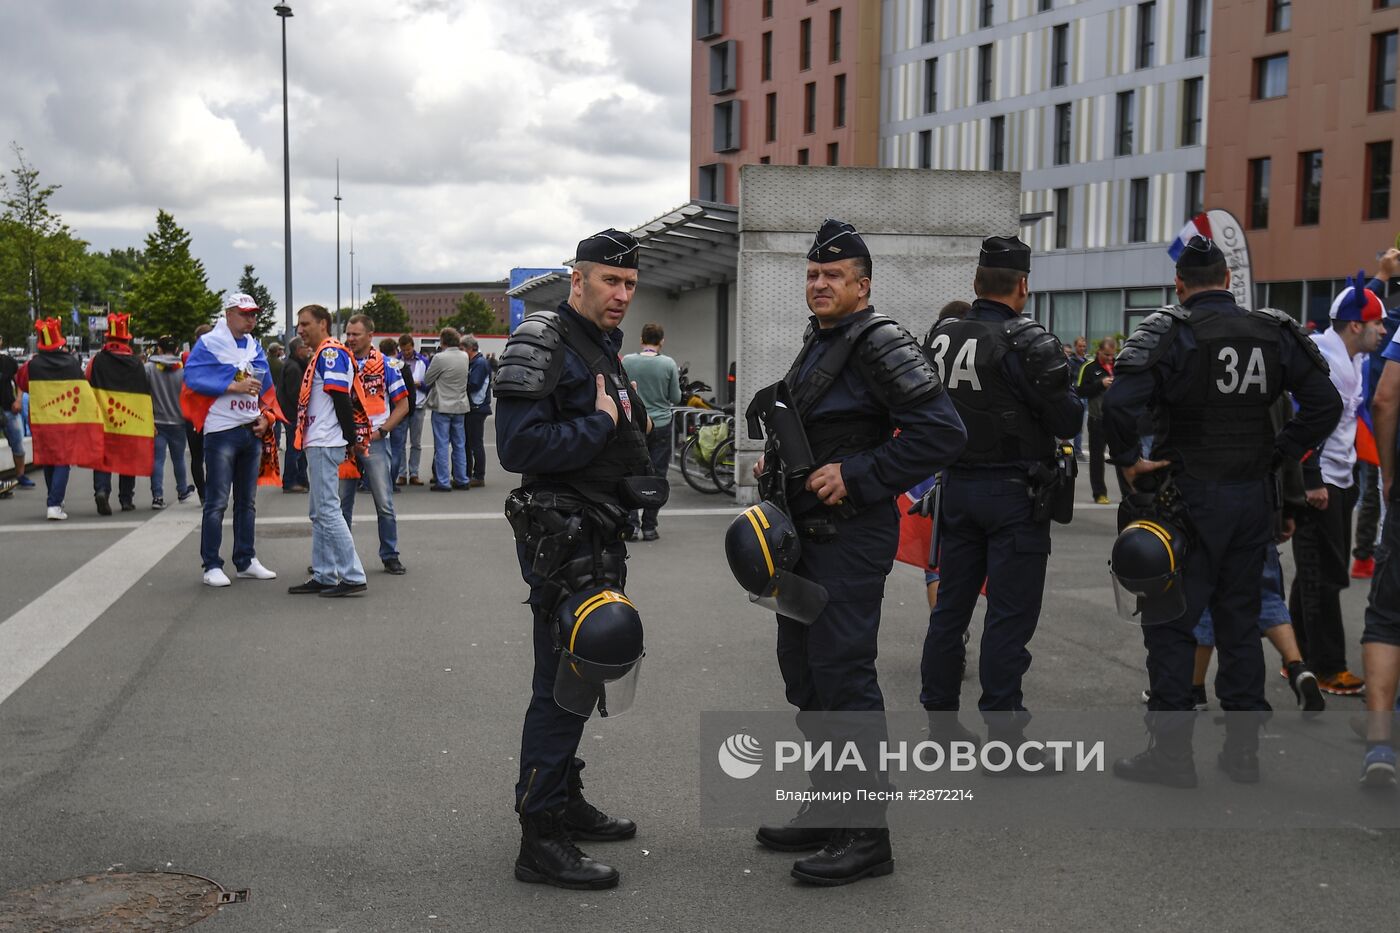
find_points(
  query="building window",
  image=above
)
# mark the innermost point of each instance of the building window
(767, 65)
(1195, 193)
(765, 160)
(984, 73)
(709, 18)
(1137, 211)
(1146, 33)
(833, 154)
(1195, 28)
(930, 85)
(984, 16)
(1280, 15)
(839, 95)
(1309, 188)
(770, 118)
(804, 157)
(1271, 77)
(1378, 180)
(727, 126)
(809, 107)
(804, 45)
(1123, 139)
(1063, 133)
(723, 61)
(1259, 172)
(926, 149)
(930, 25)
(1383, 71)
(996, 147)
(712, 182)
(1191, 92)
(835, 38)
(1046, 6)
(767, 9)
(1059, 55)
(1061, 218)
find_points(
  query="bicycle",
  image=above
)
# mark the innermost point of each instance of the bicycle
(722, 466)
(697, 456)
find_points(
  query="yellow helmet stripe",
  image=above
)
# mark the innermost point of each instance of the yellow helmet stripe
(762, 541)
(584, 611)
(1162, 535)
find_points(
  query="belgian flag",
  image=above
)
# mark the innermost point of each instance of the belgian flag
(63, 412)
(128, 419)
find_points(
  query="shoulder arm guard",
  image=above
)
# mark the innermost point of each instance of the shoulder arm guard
(1151, 340)
(1285, 320)
(1045, 364)
(895, 366)
(533, 358)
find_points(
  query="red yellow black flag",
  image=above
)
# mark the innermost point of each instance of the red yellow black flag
(63, 413)
(123, 396)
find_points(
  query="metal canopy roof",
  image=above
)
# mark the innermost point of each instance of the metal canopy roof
(694, 246)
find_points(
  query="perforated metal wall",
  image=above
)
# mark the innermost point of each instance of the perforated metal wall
(923, 229)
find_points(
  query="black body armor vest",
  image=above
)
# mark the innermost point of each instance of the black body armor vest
(834, 438)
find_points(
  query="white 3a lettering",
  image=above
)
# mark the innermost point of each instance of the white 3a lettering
(1253, 378)
(963, 368)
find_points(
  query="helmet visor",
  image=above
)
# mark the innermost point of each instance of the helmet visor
(582, 686)
(792, 596)
(1150, 602)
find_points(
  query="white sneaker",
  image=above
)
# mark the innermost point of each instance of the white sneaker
(56, 514)
(256, 571)
(215, 576)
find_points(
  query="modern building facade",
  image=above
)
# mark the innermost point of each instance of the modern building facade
(1304, 123)
(1099, 104)
(787, 82)
(428, 303)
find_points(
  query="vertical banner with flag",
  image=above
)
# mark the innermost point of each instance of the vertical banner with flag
(1228, 234)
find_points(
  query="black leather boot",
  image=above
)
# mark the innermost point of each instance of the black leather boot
(1170, 763)
(549, 856)
(800, 834)
(585, 821)
(849, 855)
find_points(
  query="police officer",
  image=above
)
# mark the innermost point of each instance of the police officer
(1210, 371)
(566, 421)
(1010, 382)
(858, 377)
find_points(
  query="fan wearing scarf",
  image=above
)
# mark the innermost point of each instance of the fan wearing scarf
(229, 397)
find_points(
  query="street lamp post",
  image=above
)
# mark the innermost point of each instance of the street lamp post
(352, 266)
(284, 12)
(337, 239)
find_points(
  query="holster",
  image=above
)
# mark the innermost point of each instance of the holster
(552, 525)
(643, 492)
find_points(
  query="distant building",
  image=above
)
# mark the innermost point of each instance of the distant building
(428, 303)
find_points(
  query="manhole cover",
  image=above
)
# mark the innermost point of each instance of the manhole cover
(123, 902)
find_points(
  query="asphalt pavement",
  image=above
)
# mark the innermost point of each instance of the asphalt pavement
(351, 762)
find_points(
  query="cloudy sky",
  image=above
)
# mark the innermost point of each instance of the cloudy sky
(473, 135)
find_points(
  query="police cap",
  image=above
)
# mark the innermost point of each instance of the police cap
(1199, 252)
(837, 240)
(609, 248)
(1005, 252)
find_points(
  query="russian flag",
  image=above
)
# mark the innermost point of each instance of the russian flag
(1196, 226)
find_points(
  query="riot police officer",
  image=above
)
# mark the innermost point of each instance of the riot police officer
(858, 377)
(1210, 371)
(566, 421)
(1010, 382)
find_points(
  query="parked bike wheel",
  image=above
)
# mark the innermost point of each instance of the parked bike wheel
(722, 467)
(694, 470)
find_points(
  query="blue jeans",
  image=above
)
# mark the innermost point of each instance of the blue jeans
(102, 485)
(14, 433)
(450, 437)
(398, 449)
(170, 436)
(231, 462)
(415, 438)
(56, 479)
(374, 470)
(333, 557)
(476, 444)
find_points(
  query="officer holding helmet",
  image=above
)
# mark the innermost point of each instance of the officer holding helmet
(858, 378)
(566, 420)
(1209, 371)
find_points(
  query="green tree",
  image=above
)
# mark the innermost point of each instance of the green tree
(389, 316)
(39, 256)
(474, 316)
(268, 321)
(171, 294)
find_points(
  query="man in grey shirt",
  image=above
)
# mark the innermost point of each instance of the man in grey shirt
(446, 379)
(166, 372)
(658, 382)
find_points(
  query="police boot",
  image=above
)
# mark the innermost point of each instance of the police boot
(549, 856)
(585, 821)
(944, 727)
(1168, 761)
(804, 831)
(1239, 759)
(1009, 728)
(849, 855)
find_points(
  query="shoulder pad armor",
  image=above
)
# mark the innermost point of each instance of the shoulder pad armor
(1045, 363)
(533, 358)
(1151, 340)
(895, 364)
(1285, 320)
